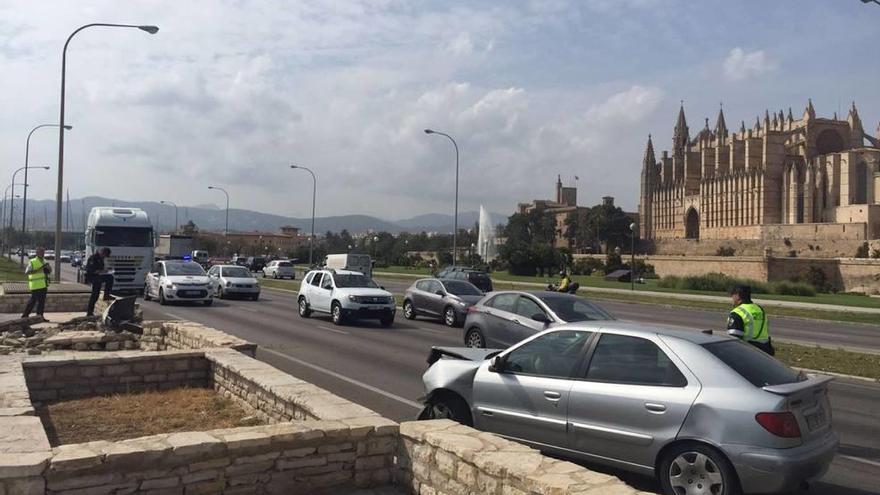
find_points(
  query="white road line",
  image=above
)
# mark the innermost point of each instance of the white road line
(859, 459)
(344, 378)
(325, 327)
(175, 316)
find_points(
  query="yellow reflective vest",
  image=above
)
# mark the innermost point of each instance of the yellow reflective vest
(37, 278)
(755, 325)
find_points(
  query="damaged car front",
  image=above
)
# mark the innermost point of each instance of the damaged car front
(449, 382)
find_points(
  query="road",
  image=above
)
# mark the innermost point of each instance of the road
(381, 368)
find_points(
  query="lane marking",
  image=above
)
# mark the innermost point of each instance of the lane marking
(344, 378)
(325, 327)
(859, 459)
(175, 316)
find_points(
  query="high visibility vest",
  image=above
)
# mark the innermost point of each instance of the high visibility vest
(37, 279)
(755, 325)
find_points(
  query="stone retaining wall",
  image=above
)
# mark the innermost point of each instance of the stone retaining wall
(57, 302)
(160, 336)
(90, 374)
(443, 457)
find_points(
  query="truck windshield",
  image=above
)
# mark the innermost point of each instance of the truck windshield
(353, 281)
(124, 236)
(183, 269)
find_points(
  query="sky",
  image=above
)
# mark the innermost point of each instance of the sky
(230, 93)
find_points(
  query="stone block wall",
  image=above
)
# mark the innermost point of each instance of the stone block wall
(160, 336)
(444, 457)
(275, 396)
(90, 374)
(55, 303)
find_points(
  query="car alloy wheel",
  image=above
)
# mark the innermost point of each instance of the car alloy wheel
(475, 339)
(691, 469)
(336, 314)
(449, 317)
(408, 311)
(304, 308)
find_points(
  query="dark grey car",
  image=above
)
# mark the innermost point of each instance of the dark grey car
(502, 319)
(440, 298)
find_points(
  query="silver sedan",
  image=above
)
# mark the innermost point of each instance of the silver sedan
(705, 414)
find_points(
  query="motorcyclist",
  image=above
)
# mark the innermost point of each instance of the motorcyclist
(564, 282)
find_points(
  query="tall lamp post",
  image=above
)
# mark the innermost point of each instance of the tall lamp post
(871, 1)
(632, 256)
(314, 192)
(8, 201)
(27, 153)
(226, 229)
(23, 184)
(175, 212)
(59, 195)
(455, 221)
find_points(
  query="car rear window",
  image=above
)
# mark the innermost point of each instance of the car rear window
(753, 364)
(285, 263)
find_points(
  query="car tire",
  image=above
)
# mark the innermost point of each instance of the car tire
(336, 314)
(304, 310)
(275, 275)
(450, 317)
(474, 338)
(162, 299)
(448, 407)
(209, 302)
(386, 321)
(409, 312)
(255, 297)
(221, 293)
(688, 464)
(147, 296)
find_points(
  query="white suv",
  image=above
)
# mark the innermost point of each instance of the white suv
(345, 294)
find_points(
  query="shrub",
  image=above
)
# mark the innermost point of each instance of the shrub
(816, 278)
(862, 251)
(875, 253)
(586, 266)
(794, 289)
(711, 282)
(725, 251)
(669, 282)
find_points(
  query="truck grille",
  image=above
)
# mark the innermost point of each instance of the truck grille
(124, 267)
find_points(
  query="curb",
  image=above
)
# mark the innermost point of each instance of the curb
(838, 375)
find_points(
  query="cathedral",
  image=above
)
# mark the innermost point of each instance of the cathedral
(816, 178)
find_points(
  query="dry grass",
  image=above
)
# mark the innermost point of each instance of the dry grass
(118, 417)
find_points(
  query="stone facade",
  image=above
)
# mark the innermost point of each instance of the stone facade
(782, 172)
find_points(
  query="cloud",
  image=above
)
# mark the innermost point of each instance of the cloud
(741, 65)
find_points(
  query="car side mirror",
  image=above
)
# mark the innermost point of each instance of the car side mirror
(541, 318)
(382, 287)
(440, 293)
(496, 365)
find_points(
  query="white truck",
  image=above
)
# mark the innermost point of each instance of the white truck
(129, 235)
(174, 246)
(354, 262)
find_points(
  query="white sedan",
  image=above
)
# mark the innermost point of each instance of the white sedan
(279, 269)
(233, 280)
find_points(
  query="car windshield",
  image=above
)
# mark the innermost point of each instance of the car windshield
(460, 288)
(353, 280)
(753, 364)
(183, 269)
(124, 236)
(571, 308)
(237, 272)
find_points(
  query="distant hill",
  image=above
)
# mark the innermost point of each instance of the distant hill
(41, 216)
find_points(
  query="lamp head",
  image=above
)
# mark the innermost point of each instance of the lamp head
(46, 168)
(68, 127)
(294, 166)
(210, 187)
(632, 226)
(429, 131)
(149, 29)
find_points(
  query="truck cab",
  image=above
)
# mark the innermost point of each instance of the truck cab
(350, 261)
(128, 233)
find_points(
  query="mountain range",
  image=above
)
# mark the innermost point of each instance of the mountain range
(41, 216)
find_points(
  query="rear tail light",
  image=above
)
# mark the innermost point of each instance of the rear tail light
(472, 309)
(781, 424)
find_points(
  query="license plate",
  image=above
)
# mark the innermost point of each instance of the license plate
(817, 419)
(189, 293)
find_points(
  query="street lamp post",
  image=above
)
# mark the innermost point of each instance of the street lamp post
(23, 184)
(59, 195)
(175, 212)
(226, 229)
(27, 152)
(632, 256)
(314, 192)
(455, 221)
(8, 199)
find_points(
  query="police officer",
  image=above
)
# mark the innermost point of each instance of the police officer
(97, 275)
(37, 272)
(747, 320)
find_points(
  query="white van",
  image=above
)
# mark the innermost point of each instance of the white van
(354, 262)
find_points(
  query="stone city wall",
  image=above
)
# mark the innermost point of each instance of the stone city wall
(781, 246)
(160, 336)
(68, 376)
(444, 457)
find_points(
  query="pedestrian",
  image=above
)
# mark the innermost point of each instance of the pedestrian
(37, 272)
(748, 321)
(98, 275)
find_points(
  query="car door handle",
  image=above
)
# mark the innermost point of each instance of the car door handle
(655, 408)
(552, 396)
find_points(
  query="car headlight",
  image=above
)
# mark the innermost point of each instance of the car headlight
(460, 302)
(228, 284)
(355, 299)
(170, 286)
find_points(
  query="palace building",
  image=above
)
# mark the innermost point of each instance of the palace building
(783, 178)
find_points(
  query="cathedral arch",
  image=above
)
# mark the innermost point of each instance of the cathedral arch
(860, 183)
(692, 224)
(829, 141)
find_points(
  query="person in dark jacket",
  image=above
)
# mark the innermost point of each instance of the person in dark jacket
(98, 275)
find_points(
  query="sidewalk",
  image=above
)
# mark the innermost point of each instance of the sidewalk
(688, 297)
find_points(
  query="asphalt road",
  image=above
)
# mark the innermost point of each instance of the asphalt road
(381, 368)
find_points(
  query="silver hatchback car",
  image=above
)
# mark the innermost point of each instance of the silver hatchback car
(705, 414)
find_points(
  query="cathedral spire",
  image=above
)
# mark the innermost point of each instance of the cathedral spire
(649, 160)
(720, 124)
(766, 120)
(855, 126)
(742, 127)
(681, 136)
(809, 112)
(790, 116)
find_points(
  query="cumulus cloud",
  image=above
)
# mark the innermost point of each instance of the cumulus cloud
(741, 65)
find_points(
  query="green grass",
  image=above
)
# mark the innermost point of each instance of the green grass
(832, 360)
(10, 271)
(855, 300)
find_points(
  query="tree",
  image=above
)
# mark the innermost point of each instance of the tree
(189, 228)
(528, 249)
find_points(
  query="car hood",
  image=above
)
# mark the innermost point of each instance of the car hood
(464, 353)
(363, 291)
(186, 279)
(455, 374)
(240, 280)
